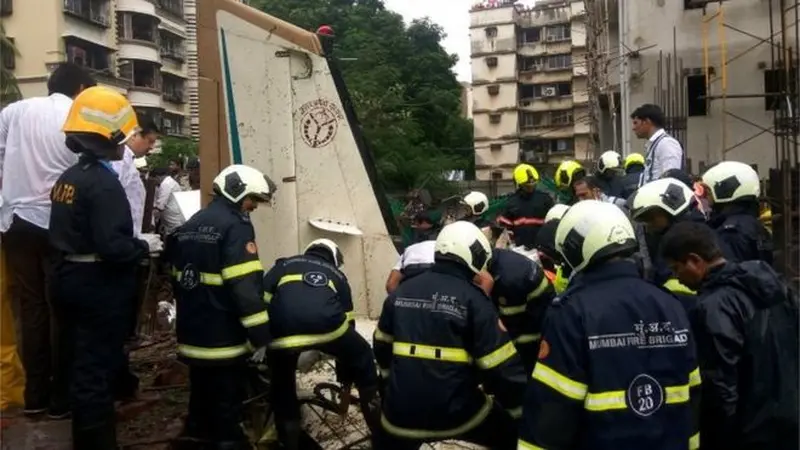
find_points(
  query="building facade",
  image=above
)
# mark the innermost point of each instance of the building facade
(139, 47)
(530, 96)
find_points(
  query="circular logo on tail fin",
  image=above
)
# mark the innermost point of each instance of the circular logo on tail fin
(319, 121)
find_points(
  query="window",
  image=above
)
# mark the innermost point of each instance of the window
(775, 83)
(530, 63)
(172, 125)
(493, 89)
(171, 47)
(173, 88)
(496, 175)
(559, 62)
(491, 32)
(494, 118)
(527, 91)
(6, 7)
(491, 61)
(552, 90)
(558, 33)
(92, 57)
(530, 36)
(561, 145)
(695, 93)
(529, 120)
(93, 11)
(496, 147)
(561, 118)
(172, 6)
(9, 58)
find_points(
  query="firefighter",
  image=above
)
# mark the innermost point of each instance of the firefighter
(477, 203)
(608, 174)
(437, 340)
(416, 259)
(526, 207)
(222, 315)
(634, 166)
(617, 365)
(97, 254)
(733, 189)
(311, 308)
(549, 258)
(659, 205)
(567, 173)
(521, 292)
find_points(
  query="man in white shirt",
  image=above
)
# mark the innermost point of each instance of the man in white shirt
(416, 259)
(33, 154)
(138, 146)
(662, 151)
(165, 189)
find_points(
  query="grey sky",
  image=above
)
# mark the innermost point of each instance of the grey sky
(453, 16)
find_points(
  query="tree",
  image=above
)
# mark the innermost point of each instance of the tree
(9, 89)
(402, 86)
(172, 148)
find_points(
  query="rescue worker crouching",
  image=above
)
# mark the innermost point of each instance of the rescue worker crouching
(220, 308)
(634, 166)
(92, 231)
(438, 338)
(659, 205)
(608, 176)
(733, 189)
(617, 367)
(526, 207)
(311, 307)
(521, 293)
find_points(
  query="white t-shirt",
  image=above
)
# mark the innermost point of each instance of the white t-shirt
(134, 188)
(163, 192)
(33, 155)
(419, 253)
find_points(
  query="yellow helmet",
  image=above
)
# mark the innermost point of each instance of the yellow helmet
(567, 172)
(103, 111)
(634, 158)
(525, 173)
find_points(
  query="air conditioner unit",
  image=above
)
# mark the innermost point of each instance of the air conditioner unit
(549, 91)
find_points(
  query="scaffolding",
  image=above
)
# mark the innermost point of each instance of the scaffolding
(782, 191)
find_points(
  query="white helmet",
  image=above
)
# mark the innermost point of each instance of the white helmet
(592, 231)
(327, 245)
(238, 181)
(730, 181)
(556, 212)
(668, 194)
(464, 243)
(478, 202)
(609, 160)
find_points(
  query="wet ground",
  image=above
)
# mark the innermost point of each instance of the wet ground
(152, 422)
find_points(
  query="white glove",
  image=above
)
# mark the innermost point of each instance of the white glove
(259, 356)
(153, 242)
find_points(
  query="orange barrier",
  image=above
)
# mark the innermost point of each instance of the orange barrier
(12, 378)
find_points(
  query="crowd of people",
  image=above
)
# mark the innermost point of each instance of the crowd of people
(643, 313)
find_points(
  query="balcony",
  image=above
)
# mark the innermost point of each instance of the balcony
(145, 79)
(138, 37)
(173, 89)
(96, 12)
(481, 47)
(174, 125)
(543, 48)
(172, 47)
(137, 6)
(544, 16)
(173, 7)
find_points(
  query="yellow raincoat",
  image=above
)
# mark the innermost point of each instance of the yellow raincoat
(12, 379)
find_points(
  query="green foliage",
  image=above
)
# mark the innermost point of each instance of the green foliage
(172, 148)
(9, 89)
(403, 89)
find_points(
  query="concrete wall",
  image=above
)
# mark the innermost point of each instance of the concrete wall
(705, 140)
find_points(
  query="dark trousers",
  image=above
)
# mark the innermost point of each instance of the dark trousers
(93, 302)
(497, 432)
(29, 258)
(215, 403)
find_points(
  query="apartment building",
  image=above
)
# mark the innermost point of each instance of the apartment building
(466, 100)
(138, 47)
(530, 97)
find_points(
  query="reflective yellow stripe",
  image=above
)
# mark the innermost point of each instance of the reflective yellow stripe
(694, 441)
(675, 286)
(210, 279)
(212, 353)
(385, 373)
(256, 319)
(527, 338)
(558, 382)
(515, 413)
(540, 289)
(512, 310)
(267, 297)
(561, 283)
(350, 315)
(606, 401)
(307, 340)
(383, 337)
(411, 433)
(497, 357)
(694, 378)
(299, 277)
(449, 354)
(240, 270)
(522, 445)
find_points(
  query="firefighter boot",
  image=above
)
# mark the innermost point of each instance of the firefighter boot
(370, 401)
(97, 436)
(289, 434)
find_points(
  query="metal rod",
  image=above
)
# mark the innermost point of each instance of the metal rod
(772, 66)
(724, 64)
(624, 78)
